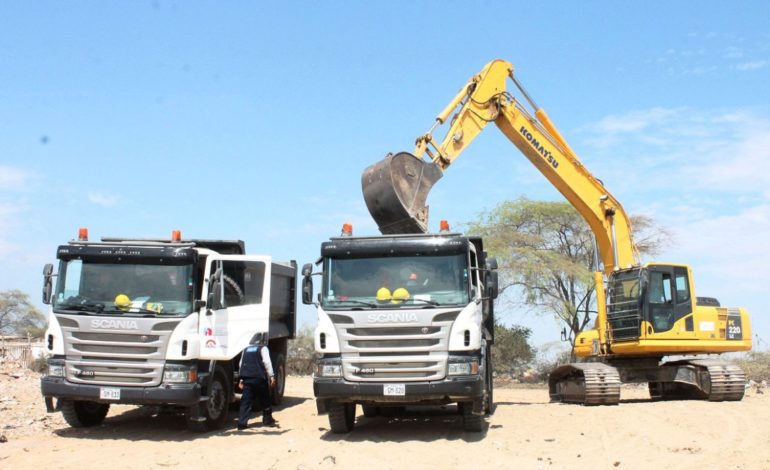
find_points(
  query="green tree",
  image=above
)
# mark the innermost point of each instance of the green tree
(512, 350)
(18, 316)
(545, 250)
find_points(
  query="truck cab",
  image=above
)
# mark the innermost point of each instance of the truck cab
(403, 320)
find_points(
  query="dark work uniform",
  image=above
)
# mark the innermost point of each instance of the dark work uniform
(255, 386)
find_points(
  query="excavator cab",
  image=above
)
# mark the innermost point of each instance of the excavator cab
(396, 189)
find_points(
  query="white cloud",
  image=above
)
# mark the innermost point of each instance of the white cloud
(722, 151)
(634, 121)
(9, 221)
(754, 65)
(12, 178)
(730, 250)
(102, 199)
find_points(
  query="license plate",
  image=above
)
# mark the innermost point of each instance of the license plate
(109, 393)
(398, 390)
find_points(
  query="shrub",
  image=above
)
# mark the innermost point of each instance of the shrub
(756, 365)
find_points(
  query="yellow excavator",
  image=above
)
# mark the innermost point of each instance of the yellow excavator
(650, 326)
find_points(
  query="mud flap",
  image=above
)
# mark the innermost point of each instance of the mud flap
(396, 189)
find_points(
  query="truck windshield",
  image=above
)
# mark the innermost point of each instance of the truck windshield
(393, 282)
(145, 289)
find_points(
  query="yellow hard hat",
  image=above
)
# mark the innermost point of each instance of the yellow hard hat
(383, 294)
(399, 295)
(122, 301)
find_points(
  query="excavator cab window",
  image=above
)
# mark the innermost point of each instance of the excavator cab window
(668, 297)
(661, 301)
(682, 285)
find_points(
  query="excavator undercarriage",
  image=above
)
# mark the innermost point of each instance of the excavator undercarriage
(598, 383)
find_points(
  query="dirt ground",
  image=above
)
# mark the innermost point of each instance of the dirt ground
(525, 432)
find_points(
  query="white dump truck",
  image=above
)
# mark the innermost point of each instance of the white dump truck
(403, 320)
(160, 322)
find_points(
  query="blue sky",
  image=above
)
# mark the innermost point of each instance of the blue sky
(254, 121)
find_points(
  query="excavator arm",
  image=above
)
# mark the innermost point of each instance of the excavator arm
(396, 188)
(637, 322)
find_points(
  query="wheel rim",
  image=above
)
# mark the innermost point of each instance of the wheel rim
(216, 401)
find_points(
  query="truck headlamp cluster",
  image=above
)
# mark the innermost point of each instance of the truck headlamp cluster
(463, 368)
(333, 369)
(179, 375)
(56, 368)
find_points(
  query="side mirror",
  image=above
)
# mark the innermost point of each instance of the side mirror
(214, 300)
(491, 285)
(307, 269)
(307, 288)
(47, 283)
(492, 282)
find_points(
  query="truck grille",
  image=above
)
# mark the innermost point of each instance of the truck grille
(396, 353)
(116, 357)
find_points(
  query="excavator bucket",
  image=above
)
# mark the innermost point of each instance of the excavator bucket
(396, 189)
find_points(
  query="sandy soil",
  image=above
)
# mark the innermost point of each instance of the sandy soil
(525, 432)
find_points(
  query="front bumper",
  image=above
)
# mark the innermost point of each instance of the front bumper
(165, 394)
(449, 390)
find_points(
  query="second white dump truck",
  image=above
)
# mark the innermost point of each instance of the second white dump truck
(403, 320)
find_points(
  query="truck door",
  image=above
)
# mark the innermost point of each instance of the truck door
(236, 290)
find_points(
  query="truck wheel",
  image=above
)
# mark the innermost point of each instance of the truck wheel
(279, 367)
(472, 422)
(489, 402)
(82, 414)
(342, 417)
(370, 411)
(212, 413)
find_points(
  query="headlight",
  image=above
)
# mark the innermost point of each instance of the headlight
(179, 376)
(57, 369)
(329, 370)
(463, 368)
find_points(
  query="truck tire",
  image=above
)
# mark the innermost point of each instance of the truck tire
(82, 414)
(489, 399)
(370, 411)
(279, 367)
(472, 422)
(214, 410)
(342, 417)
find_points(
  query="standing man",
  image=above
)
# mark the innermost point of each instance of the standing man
(257, 378)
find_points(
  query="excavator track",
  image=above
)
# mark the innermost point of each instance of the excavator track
(727, 382)
(591, 383)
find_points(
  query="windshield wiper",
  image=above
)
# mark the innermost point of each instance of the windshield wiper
(359, 302)
(85, 307)
(427, 301)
